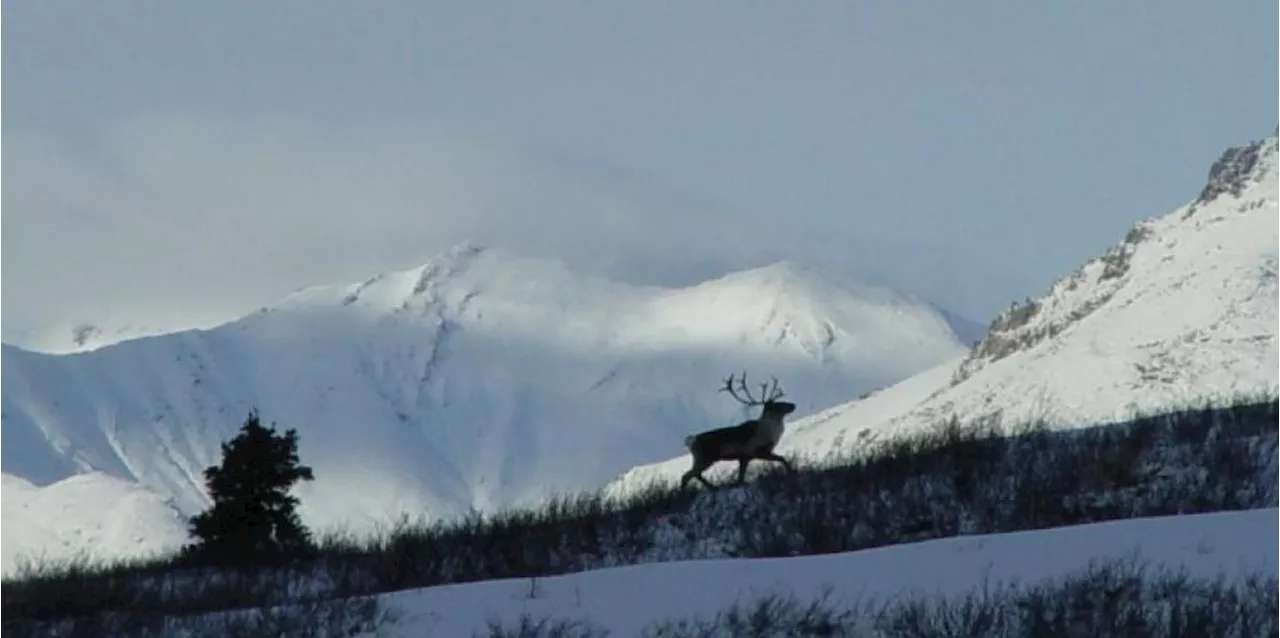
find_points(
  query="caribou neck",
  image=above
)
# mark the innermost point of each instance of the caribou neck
(771, 426)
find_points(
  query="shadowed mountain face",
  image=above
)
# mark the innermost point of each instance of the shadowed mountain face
(477, 380)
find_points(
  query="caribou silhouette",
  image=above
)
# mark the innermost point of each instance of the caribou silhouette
(750, 440)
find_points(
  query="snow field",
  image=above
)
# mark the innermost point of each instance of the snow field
(625, 600)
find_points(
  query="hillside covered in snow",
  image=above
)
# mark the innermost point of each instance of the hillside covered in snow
(1230, 545)
(1182, 310)
(477, 380)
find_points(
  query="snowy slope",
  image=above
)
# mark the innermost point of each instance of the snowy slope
(92, 516)
(476, 380)
(1232, 544)
(1183, 309)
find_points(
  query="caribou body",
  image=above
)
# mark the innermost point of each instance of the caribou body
(747, 441)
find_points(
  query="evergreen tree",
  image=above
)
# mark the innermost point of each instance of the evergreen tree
(253, 519)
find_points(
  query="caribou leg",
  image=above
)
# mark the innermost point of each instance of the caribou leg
(778, 458)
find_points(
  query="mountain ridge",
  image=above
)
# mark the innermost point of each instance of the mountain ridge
(1182, 309)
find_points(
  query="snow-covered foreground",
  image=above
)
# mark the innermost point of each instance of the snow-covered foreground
(625, 600)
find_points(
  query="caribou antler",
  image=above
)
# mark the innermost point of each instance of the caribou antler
(768, 393)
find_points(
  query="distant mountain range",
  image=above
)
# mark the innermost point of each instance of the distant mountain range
(477, 380)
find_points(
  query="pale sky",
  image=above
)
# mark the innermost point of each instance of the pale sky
(196, 157)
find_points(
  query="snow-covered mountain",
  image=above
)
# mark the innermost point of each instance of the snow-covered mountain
(1183, 309)
(479, 379)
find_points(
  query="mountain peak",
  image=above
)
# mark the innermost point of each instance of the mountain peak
(1238, 167)
(466, 248)
(793, 280)
(469, 265)
(466, 252)
(777, 276)
(1211, 244)
(779, 305)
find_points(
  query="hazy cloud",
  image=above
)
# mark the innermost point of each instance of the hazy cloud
(195, 217)
(193, 157)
